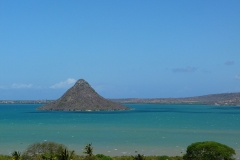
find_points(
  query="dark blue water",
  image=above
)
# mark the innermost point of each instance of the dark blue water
(150, 129)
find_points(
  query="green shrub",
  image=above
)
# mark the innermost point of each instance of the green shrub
(103, 157)
(138, 157)
(209, 150)
(16, 155)
(66, 155)
(164, 158)
(4, 157)
(177, 158)
(90, 158)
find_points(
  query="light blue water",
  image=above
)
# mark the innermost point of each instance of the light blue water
(150, 129)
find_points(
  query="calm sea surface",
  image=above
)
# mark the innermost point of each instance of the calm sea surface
(150, 129)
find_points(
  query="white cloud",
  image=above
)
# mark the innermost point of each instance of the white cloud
(237, 77)
(64, 84)
(16, 85)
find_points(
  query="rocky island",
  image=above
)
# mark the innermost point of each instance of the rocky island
(82, 97)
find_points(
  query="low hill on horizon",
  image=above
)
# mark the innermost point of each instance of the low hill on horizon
(211, 99)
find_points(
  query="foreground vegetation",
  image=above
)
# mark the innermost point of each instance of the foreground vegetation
(53, 151)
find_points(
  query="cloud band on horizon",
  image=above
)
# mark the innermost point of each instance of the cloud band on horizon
(63, 84)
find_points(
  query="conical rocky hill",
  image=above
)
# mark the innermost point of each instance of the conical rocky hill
(82, 97)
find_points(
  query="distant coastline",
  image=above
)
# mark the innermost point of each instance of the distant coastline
(223, 99)
(25, 101)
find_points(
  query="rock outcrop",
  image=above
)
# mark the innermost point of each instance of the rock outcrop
(82, 97)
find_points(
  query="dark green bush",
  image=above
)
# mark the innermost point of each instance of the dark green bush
(209, 150)
(138, 157)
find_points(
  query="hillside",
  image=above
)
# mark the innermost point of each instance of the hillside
(211, 99)
(82, 97)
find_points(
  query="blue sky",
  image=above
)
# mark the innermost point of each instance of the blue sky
(124, 49)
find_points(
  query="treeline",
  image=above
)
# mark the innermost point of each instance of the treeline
(208, 150)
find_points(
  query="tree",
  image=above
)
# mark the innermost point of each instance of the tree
(66, 155)
(209, 150)
(45, 150)
(16, 155)
(138, 157)
(88, 150)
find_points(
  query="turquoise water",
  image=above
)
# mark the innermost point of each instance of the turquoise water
(150, 129)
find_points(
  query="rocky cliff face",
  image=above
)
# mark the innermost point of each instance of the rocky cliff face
(82, 97)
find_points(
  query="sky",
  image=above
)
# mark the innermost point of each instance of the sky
(122, 48)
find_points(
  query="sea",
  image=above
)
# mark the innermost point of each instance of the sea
(149, 129)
